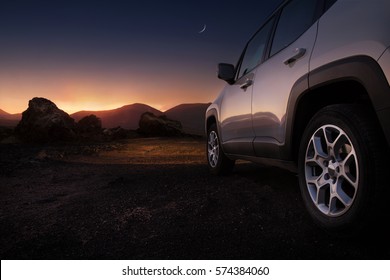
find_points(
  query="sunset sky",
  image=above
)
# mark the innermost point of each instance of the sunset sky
(96, 55)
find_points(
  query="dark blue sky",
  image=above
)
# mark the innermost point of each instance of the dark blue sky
(120, 52)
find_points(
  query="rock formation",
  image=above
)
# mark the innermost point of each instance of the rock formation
(89, 124)
(44, 122)
(151, 125)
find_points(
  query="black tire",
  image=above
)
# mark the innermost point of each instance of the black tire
(218, 162)
(343, 192)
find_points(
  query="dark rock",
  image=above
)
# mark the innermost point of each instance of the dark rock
(5, 132)
(44, 122)
(89, 124)
(7, 135)
(151, 125)
(90, 128)
(115, 133)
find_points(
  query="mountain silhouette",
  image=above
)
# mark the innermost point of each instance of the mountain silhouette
(191, 116)
(9, 120)
(3, 113)
(126, 117)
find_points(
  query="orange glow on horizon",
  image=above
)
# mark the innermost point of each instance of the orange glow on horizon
(75, 91)
(70, 107)
(74, 99)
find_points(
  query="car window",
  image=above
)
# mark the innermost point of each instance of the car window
(329, 3)
(296, 17)
(255, 49)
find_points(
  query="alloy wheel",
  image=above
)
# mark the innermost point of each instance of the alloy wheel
(331, 170)
(213, 149)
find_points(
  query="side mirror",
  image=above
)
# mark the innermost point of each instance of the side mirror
(226, 72)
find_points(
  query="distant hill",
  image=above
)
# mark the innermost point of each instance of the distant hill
(191, 116)
(127, 116)
(3, 113)
(9, 120)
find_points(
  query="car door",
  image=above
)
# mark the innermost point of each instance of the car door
(236, 107)
(288, 61)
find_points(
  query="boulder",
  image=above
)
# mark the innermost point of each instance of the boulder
(89, 124)
(151, 125)
(90, 128)
(44, 122)
(115, 133)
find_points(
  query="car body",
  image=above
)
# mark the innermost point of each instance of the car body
(314, 68)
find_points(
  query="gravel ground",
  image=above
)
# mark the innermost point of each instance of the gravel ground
(154, 199)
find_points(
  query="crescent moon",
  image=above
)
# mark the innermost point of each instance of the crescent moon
(204, 28)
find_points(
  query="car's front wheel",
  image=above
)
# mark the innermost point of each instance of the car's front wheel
(218, 162)
(341, 166)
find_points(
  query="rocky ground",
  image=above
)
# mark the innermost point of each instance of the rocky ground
(154, 199)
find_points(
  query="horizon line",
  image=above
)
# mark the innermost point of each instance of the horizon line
(105, 110)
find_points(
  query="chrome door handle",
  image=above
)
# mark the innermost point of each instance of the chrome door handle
(298, 53)
(247, 84)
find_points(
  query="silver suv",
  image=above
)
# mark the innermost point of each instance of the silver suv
(311, 93)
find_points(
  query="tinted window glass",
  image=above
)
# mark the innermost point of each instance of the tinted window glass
(295, 19)
(329, 3)
(255, 49)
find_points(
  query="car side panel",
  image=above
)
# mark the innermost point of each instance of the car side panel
(343, 26)
(384, 62)
(273, 84)
(236, 119)
(384, 114)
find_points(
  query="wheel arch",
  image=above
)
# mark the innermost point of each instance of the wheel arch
(211, 117)
(355, 80)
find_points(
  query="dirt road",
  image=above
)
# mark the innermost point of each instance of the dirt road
(154, 199)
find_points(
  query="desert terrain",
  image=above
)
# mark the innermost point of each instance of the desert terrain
(153, 198)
